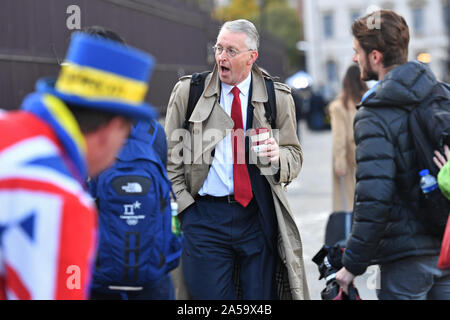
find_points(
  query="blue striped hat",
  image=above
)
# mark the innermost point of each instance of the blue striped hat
(104, 75)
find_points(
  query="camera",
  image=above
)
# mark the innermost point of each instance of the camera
(328, 260)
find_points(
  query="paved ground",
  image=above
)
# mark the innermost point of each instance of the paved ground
(310, 199)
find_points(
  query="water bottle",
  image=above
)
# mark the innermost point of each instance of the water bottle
(434, 207)
(428, 183)
(176, 230)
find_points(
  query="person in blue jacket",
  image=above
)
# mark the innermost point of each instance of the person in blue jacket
(137, 143)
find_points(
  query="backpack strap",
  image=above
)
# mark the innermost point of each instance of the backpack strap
(270, 106)
(152, 132)
(196, 88)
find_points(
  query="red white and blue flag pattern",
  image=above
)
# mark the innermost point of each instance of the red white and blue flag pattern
(47, 218)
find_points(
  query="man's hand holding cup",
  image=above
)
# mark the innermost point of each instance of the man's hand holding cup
(264, 145)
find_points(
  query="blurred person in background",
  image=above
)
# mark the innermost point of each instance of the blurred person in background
(147, 138)
(342, 113)
(443, 163)
(443, 179)
(314, 109)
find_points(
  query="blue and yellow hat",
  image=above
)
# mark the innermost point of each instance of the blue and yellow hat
(104, 75)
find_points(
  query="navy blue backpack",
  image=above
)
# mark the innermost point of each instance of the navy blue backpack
(136, 244)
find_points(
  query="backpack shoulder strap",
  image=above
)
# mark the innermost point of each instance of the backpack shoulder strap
(152, 131)
(270, 106)
(197, 86)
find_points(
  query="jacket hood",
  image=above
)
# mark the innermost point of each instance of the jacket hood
(404, 86)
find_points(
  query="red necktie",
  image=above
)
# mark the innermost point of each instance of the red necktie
(242, 186)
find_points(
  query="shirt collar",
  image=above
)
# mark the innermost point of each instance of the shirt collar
(244, 86)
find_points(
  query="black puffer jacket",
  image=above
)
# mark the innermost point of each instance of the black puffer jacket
(386, 227)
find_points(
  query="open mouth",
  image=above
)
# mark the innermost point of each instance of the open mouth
(224, 69)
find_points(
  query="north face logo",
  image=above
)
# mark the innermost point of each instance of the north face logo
(132, 187)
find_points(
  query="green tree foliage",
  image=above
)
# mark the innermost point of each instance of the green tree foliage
(237, 9)
(282, 21)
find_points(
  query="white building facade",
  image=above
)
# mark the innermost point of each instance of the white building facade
(327, 32)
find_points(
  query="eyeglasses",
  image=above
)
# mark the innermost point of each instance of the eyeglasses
(229, 51)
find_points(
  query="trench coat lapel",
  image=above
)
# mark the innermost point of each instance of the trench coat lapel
(210, 120)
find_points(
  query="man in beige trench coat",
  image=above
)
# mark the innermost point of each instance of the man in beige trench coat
(200, 180)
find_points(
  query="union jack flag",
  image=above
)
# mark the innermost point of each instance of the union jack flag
(47, 219)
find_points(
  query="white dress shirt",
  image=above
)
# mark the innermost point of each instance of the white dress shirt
(219, 181)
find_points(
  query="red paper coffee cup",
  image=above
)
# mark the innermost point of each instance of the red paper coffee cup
(258, 138)
(259, 135)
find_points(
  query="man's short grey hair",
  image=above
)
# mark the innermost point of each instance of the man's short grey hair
(244, 26)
